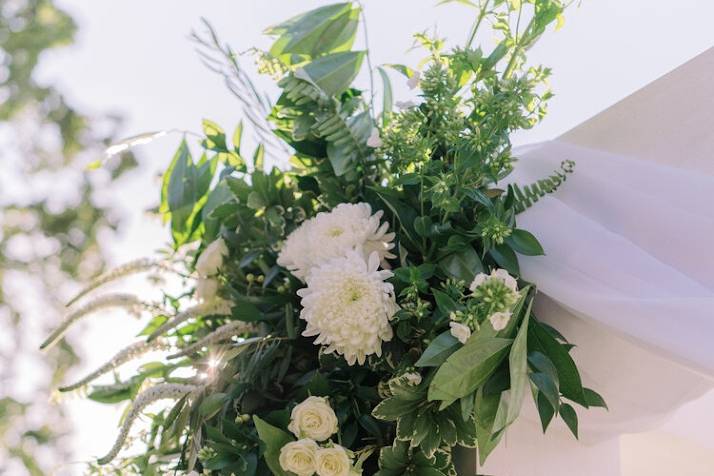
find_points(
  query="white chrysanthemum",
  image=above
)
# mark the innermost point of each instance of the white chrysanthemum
(347, 305)
(462, 332)
(499, 320)
(332, 234)
(500, 274)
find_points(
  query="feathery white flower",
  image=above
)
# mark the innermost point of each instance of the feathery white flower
(299, 457)
(211, 259)
(134, 351)
(348, 306)
(119, 300)
(374, 140)
(132, 267)
(499, 320)
(462, 332)
(226, 331)
(331, 234)
(162, 391)
(413, 81)
(219, 307)
(500, 274)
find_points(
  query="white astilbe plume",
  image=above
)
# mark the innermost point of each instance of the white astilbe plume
(348, 305)
(118, 300)
(331, 234)
(127, 269)
(163, 391)
(134, 351)
(218, 306)
(225, 332)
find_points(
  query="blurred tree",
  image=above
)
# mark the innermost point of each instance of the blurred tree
(50, 228)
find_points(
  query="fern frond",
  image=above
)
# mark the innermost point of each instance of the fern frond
(127, 269)
(217, 307)
(163, 391)
(119, 300)
(224, 332)
(125, 355)
(527, 195)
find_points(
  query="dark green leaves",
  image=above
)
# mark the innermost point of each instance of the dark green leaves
(439, 350)
(469, 367)
(274, 439)
(524, 243)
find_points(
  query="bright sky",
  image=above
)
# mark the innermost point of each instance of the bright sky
(133, 57)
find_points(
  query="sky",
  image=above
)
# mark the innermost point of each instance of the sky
(134, 58)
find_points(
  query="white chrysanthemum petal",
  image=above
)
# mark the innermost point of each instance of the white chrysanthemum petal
(348, 305)
(331, 234)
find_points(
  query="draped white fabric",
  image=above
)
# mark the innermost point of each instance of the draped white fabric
(628, 277)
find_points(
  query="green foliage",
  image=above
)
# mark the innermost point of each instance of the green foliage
(437, 178)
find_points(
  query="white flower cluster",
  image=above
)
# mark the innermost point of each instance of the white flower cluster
(347, 304)
(207, 266)
(314, 421)
(499, 286)
(331, 234)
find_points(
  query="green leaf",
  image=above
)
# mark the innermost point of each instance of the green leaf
(404, 213)
(567, 413)
(594, 399)
(274, 439)
(545, 411)
(570, 383)
(524, 243)
(518, 371)
(323, 30)
(238, 138)
(259, 157)
(215, 137)
(387, 95)
(333, 73)
(463, 265)
(405, 70)
(547, 387)
(439, 350)
(468, 368)
(506, 258)
(212, 404)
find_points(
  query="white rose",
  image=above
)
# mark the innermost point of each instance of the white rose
(313, 418)
(333, 461)
(299, 457)
(460, 331)
(206, 289)
(499, 320)
(212, 258)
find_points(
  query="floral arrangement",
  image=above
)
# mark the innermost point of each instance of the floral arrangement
(362, 311)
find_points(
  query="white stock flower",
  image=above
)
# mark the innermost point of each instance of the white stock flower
(299, 457)
(374, 140)
(314, 419)
(462, 332)
(348, 306)
(333, 461)
(211, 259)
(499, 320)
(413, 81)
(206, 289)
(500, 274)
(332, 234)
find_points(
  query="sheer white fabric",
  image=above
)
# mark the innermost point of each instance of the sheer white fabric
(628, 277)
